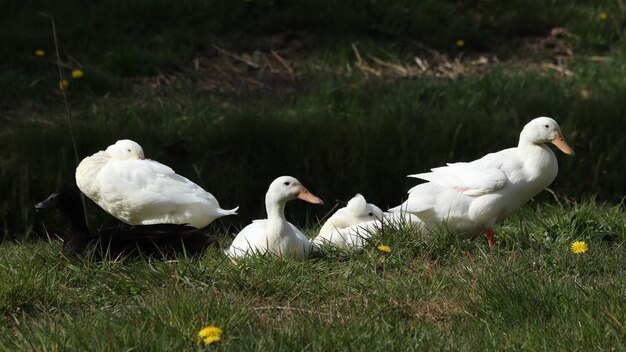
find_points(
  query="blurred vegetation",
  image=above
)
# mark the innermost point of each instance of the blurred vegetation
(141, 37)
(339, 131)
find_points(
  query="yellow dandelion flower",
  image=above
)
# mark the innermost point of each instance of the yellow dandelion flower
(77, 74)
(384, 249)
(460, 43)
(64, 84)
(209, 335)
(40, 53)
(603, 16)
(579, 247)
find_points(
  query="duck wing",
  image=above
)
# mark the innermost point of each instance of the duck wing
(148, 181)
(476, 178)
(148, 192)
(249, 240)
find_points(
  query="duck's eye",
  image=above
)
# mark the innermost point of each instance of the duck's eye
(128, 150)
(546, 126)
(370, 214)
(287, 183)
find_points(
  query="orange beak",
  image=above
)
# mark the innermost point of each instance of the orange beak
(560, 143)
(307, 196)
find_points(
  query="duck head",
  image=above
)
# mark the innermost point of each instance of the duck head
(125, 149)
(361, 210)
(286, 188)
(66, 200)
(543, 130)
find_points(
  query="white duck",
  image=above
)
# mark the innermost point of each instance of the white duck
(473, 196)
(352, 225)
(139, 191)
(275, 235)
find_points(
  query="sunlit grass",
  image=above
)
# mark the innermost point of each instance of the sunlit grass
(338, 128)
(433, 292)
(340, 136)
(142, 70)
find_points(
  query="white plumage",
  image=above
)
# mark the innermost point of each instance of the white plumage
(138, 191)
(351, 225)
(275, 235)
(474, 196)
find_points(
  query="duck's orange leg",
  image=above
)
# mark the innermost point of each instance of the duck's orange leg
(490, 238)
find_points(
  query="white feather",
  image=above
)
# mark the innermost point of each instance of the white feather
(274, 235)
(142, 192)
(473, 196)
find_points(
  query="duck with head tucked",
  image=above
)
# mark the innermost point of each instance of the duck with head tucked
(139, 191)
(352, 225)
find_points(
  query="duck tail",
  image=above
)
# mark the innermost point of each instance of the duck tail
(232, 211)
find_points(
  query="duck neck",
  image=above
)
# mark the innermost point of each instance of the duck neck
(539, 160)
(276, 221)
(529, 147)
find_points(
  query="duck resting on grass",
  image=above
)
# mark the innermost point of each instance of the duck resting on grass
(351, 226)
(140, 191)
(470, 197)
(159, 240)
(275, 235)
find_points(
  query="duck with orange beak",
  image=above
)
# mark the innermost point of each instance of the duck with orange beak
(275, 235)
(471, 197)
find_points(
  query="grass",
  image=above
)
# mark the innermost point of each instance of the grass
(437, 292)
(212, 98)
(339, 135)
(176, 82)
(233, 94)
